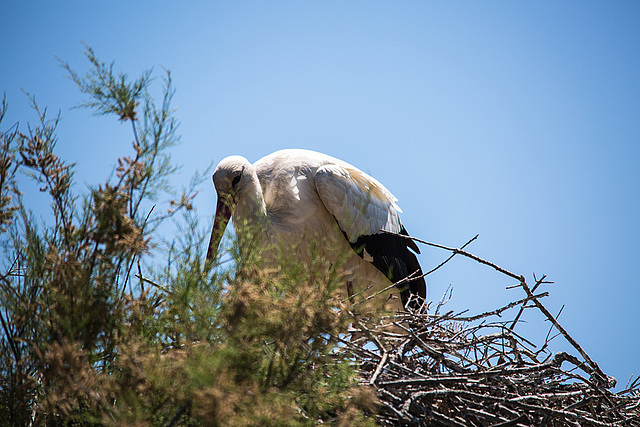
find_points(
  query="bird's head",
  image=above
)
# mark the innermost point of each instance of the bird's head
(231, 180)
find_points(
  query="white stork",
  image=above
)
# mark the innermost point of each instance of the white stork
(298, 195)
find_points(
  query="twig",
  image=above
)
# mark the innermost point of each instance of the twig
(457, 251)
(602, 377)
(455, 369)
(497, 311)
(538, 283)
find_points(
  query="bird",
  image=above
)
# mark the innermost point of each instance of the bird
(299, 195)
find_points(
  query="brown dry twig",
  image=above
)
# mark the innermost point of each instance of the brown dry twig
(455, 370)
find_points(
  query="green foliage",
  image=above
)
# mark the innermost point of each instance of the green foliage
(104, 322)
(109, 93)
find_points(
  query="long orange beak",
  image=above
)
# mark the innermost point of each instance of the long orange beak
(223, 213)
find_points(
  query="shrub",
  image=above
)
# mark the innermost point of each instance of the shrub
(105, 322)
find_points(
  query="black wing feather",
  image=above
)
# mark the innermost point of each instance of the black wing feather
(391, 255)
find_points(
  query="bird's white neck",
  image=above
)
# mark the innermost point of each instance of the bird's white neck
(250, 208)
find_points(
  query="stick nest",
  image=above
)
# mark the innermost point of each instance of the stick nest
(453, 370)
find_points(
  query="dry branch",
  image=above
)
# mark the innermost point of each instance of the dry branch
(455, 370)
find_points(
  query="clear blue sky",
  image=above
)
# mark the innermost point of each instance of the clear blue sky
(518, 121)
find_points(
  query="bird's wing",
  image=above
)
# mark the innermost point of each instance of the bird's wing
(363, 207)
(360, 204)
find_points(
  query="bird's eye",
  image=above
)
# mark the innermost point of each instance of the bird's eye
(236, 180)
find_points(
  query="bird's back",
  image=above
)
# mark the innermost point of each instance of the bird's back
(288, 188)
(297, 211)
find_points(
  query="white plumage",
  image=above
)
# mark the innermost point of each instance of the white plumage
(298, 195)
